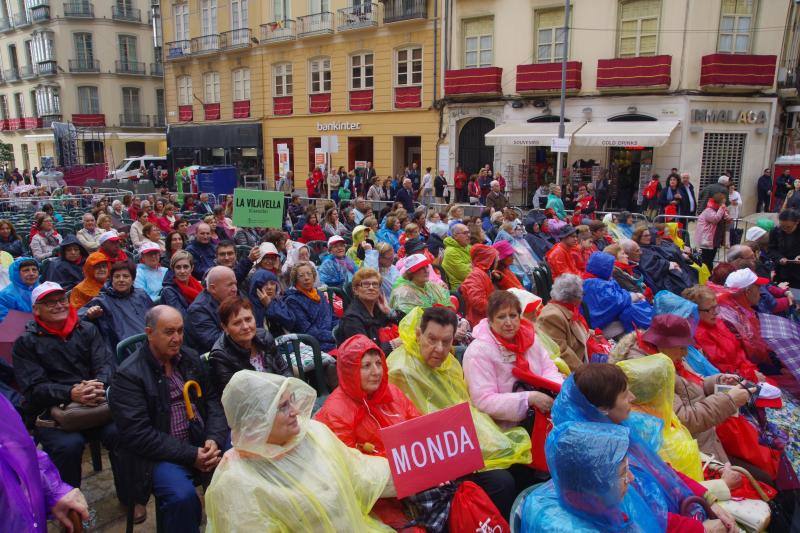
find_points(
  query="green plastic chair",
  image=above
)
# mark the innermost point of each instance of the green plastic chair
(289, 346)
(127, 346)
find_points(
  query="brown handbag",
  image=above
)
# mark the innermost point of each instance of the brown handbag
(75, 416)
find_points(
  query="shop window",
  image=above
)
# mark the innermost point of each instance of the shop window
(736, 26)
(241, 84)
(313, 144)
(320, 70)
(211, 87)
(184, 90)
(549, 35)
(282, 78)
(722, 152)
(134, 149)
(409, 67)
(478, 42)
(361, 71)
(638, 27)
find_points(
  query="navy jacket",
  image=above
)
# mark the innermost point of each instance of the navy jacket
(312, 318)
(63, 272)
(123, 314)
(202, 326)
(276, 317)
(205, 255)
(406, 198)
(172, 296)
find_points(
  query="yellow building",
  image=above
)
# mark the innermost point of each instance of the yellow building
(248, 77)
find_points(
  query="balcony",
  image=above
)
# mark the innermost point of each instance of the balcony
(316, 24)
(644, 72)
(84, 65)
(82, 10)
(134, 120)
(47, 68)
(399, 10)
(11, 75)
(27, 72)
(235, 39)
(47, 119)
(282, 30)
(30, 123)
(94, 120)
(160, 121)
(4, 126)
(546, 77)
(14, 124)
(21, 19)
(737, 71)
(357, 17)
(130, 67)
(157, 69)
(473, 81)
(178, 49)
(206, 44)
(41, 11)
(126, 14)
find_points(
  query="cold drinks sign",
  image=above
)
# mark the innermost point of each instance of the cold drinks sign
(432, 449)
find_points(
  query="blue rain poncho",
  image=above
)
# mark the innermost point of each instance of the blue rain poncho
(17, 295)
(654, 480)
(667, 303)
(587, 492)
(607, 301)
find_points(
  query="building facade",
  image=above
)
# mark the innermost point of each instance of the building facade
(366, 75)
(96, 65)
(652, 85)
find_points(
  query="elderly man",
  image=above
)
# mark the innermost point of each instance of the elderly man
(496, 199)
(688, 206)
(406, 196)
(709, 191)
(147, 403)
(61, 359)
(203, 207)
(360, 211)
(203, 326)
(110, 246)
(89, 234)
(456, 261)
(203, 250)
(775, 299)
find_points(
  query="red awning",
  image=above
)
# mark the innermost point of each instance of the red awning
(485, 80)
(282, 105)
(644, 71)
(407, 97)
(738, 69)
(241, 109)
(89, 120)
(547, 77)
(361, 100)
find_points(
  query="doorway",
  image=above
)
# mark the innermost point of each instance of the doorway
(407, 150)
(93, 152)
(629, 173)
(134, 149)
(359, 149)
(473, 153)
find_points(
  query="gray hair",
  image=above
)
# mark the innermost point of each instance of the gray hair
(567, 288)
(736, 251)
(115, 203)
(628, 245)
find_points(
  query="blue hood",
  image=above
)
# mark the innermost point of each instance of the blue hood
(260, 278)
(601, 265)
(16, 279)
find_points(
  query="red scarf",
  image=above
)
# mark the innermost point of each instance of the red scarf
(576, 313)
(519, 346)
(66, 329)
(625, 267)
(190, 289)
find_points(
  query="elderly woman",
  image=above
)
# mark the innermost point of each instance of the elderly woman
(368, 313)
(710, 229)
(562, 321)
(337, 269)
(607, 302)
(625, 273)
(503, 352)
(45, 238)
(152, 233)
(414, 288)
(555, 203)
(179, 288)
(382, 260)
(285, 471)
(95, 274)
(243, 345)
(505, 261)
(311, 311)
(269, 308)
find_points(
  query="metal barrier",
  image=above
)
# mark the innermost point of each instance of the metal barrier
(742, 224)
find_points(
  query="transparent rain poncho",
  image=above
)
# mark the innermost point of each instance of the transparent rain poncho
(312, 483)
(668, 303)
(652, 380)
(433, 389)
(585, 494)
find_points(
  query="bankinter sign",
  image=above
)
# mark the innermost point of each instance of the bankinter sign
(431, 449)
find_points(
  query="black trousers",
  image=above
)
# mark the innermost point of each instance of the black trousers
(708, 255)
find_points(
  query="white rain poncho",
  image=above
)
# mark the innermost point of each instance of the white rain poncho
(312, 483)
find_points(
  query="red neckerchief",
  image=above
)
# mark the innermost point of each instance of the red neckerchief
(66, 329)
(625, 267)
(576, 313)
(519, 346)
(190, 289)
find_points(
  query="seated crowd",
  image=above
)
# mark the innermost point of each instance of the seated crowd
(613, 377)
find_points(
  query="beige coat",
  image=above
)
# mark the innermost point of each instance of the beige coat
(556, 321)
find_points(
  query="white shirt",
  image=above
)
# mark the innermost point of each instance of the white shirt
(427, 182)
(733, 210)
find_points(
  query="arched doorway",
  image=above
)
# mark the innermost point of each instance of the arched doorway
(472, 150)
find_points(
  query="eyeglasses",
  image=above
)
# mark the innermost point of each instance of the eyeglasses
(53, 304)
(370, 284)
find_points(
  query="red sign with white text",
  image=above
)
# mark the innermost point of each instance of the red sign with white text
(432, 449)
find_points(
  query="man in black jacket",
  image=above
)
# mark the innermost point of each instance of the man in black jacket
(406, 196)
(146, 400)
(203, 327)
(58, 360)
(688, 205)
(764, 191)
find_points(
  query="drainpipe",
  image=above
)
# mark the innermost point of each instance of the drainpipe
(435, 50)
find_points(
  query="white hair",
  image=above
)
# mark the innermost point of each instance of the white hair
(724, 180)
(628, 245)
(567, 288)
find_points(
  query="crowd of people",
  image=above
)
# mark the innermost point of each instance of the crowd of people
(614, 373)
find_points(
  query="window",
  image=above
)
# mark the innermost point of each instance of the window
(478, 36)
(88, 101)
(736, 26)
(48, 101)
(43, 46)
(549, 35)
(184, 90)
(181, 18)
(84, 50)
(160, 115)
(281, 9)
(241, 84)
(34, 104)
(361, 68)
(282, 74)
(211, 87)
(239, 14)
(638, 28)
(320, 75)
(208, 16)
(409, 66)
(127, 49)
(4, 107)
(131, 108)
(19, 105)
(319, 6)
(722, 152)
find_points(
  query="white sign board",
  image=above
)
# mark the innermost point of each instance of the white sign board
(330, 144)
(557, 144)
(444, 158)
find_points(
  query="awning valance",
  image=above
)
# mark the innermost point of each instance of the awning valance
(649, 133)
(529, 133)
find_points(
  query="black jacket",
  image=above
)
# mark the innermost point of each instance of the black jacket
(172, 296)
(140, 405)
(686, 204)
(406, 198)
(202, 323)
(227, 358)
(46, 367)
(782, 244)
(66, 273)
(123, 313)
(356, 320)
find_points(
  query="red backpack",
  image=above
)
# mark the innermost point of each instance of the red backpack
(472, 510)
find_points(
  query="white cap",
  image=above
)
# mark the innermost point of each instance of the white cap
(334, 239)
(44, 289)
(529, 302)
(110, 235)
(265, 249)
(754, 233)
(149, 246)
(414, 262)
(743, 278)
(723, 179)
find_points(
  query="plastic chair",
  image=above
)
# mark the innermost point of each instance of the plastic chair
(242, 251)
(516, 515)
(127, 346)
(337, 291)
(289, 345)
(317, 248)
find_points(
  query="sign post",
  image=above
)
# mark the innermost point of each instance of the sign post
(257, 209)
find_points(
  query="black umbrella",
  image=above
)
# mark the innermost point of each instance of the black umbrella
(196, 426)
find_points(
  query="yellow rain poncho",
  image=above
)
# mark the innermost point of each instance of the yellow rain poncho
(553, 351)
(652, 380)
(433, 389)
(613, 230)
(312, 483)
(360, 234)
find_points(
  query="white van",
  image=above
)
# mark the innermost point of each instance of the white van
(129, 167)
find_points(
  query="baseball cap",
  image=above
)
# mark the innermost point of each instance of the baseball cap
(149, 246)
(110, 235)
(44, 289)
(415, 262)
(334, 239)
(754, 233)
(743, 278)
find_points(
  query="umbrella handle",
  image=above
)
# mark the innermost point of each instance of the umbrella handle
(186, 400)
